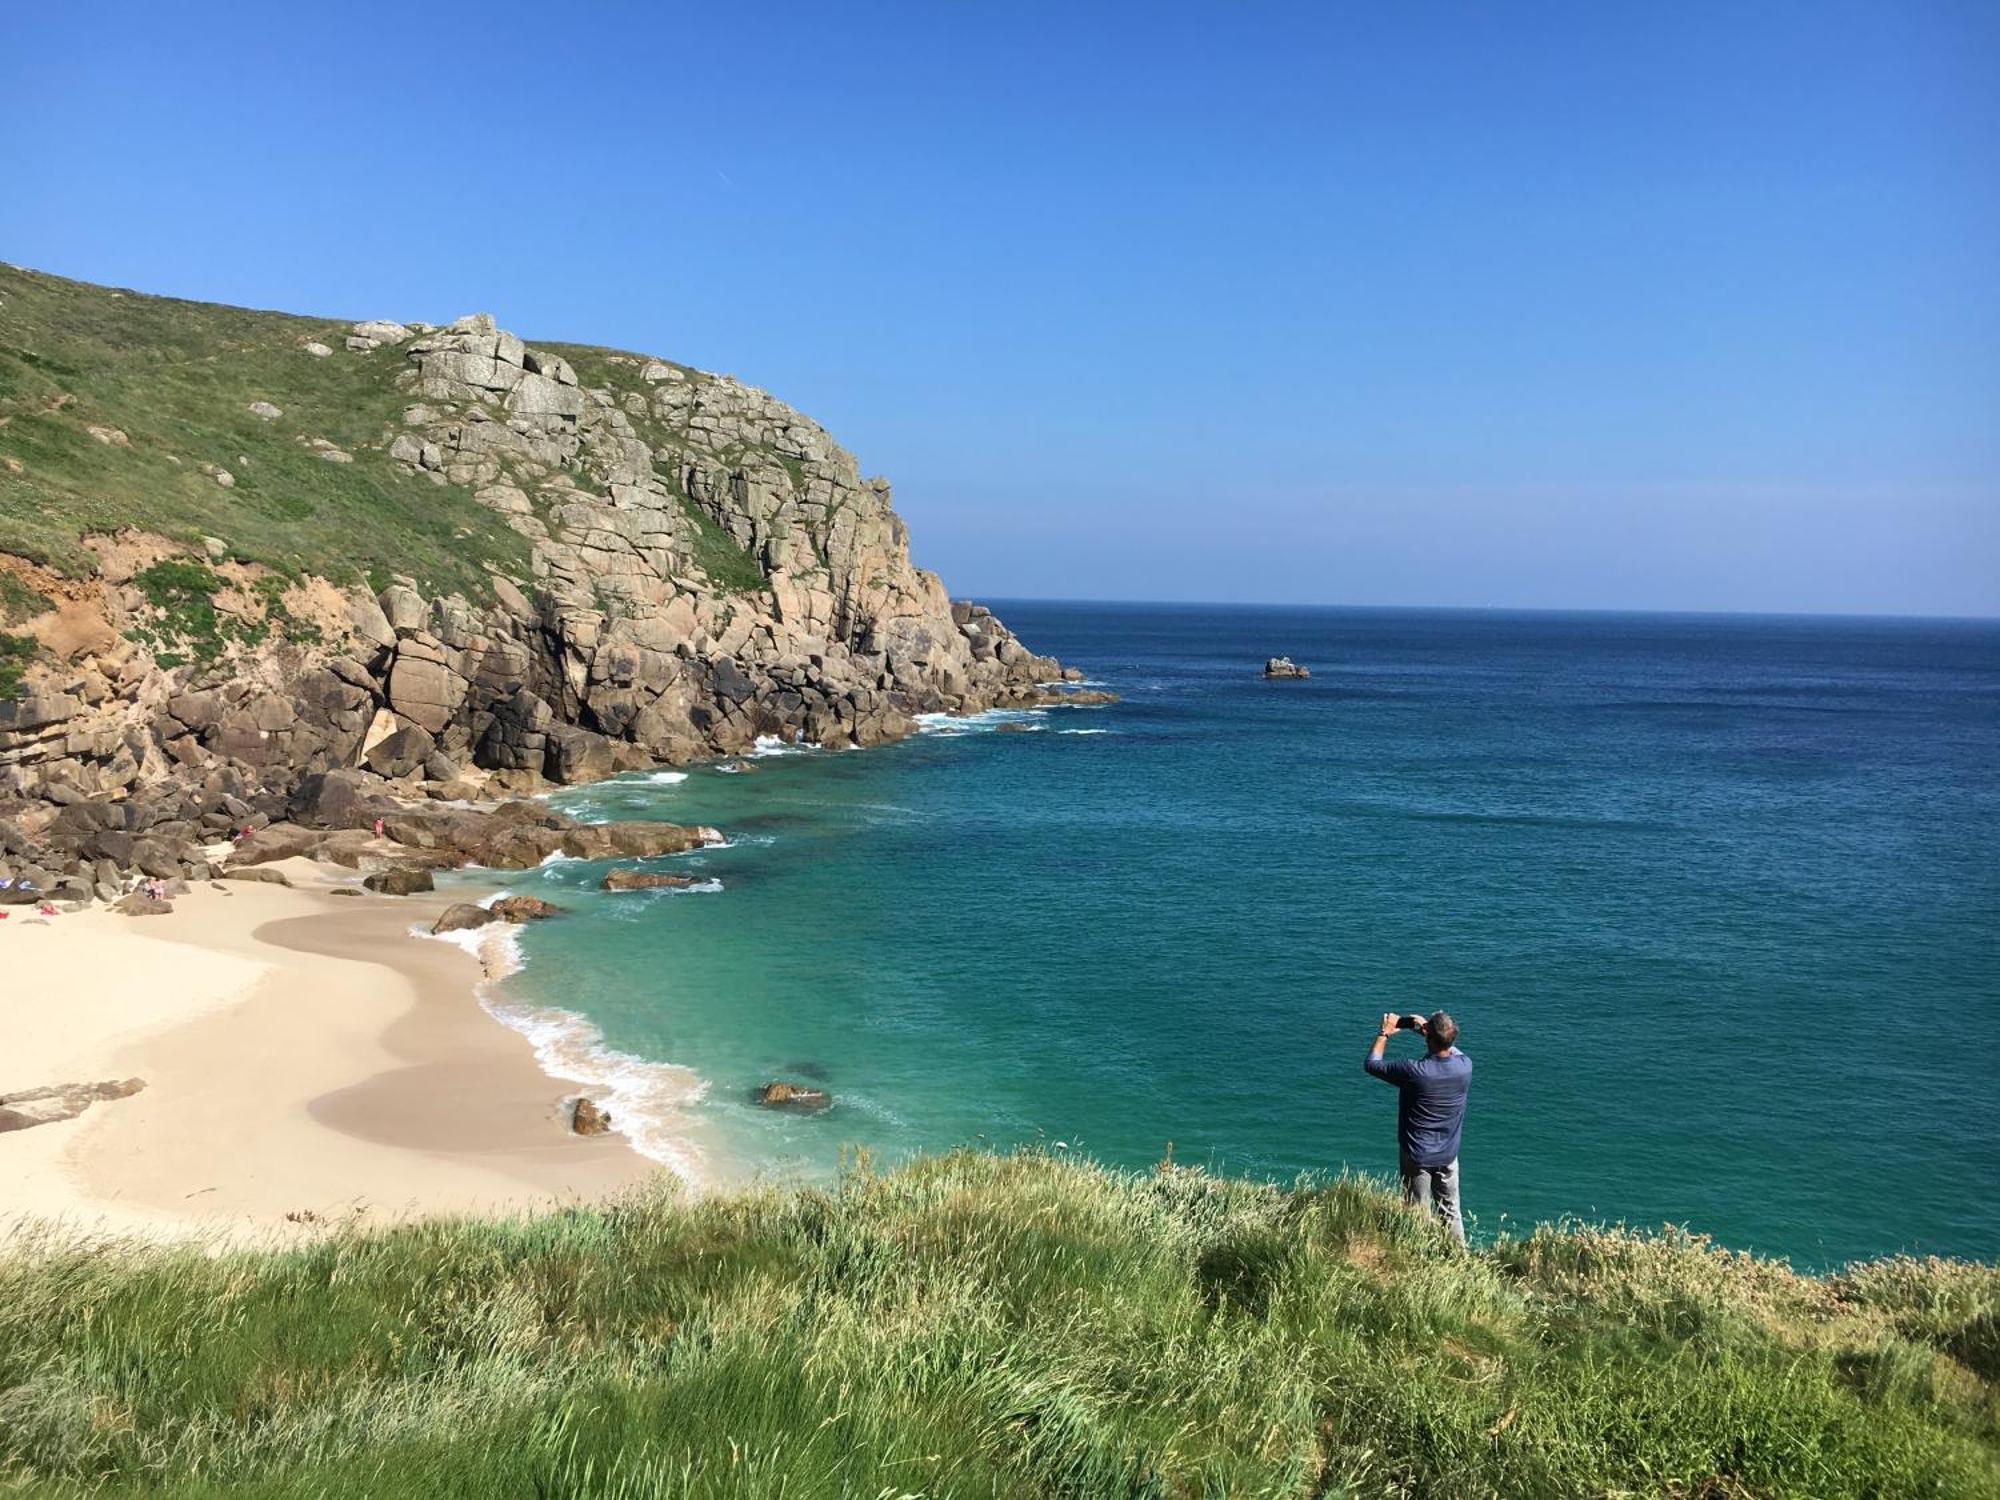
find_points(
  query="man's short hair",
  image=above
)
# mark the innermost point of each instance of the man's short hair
(1441, 1030)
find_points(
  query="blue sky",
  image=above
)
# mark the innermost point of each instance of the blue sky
(1597, 305)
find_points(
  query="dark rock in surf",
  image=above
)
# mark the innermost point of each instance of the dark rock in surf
(462, 916)
(643, 880)
(523, 909)
(794, 1097)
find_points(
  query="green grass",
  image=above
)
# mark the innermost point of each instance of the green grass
(17, 653)
(177, 379)
(19, 602)
(989, 1326)
(187, 626)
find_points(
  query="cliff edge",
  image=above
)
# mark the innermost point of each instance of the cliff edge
(238, 549)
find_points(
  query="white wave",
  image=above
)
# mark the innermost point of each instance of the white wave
(557, 857)
(646, 1100)
(867, 1104)
(1083, 731)
(497, 945)
(767, 745)
(664, 778)
(984, 722)
(709, 887)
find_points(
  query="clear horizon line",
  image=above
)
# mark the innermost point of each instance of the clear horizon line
(1495, 609)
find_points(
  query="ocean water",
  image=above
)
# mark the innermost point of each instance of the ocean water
(1715, 901)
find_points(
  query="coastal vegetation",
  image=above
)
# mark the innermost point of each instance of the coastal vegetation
(980, 1325)
(118, 409)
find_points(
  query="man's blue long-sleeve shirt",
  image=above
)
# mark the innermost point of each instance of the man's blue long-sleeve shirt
(1430, 1106)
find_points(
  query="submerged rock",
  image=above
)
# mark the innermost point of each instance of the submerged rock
(643, 880)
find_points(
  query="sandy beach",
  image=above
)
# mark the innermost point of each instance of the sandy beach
(305, 1060)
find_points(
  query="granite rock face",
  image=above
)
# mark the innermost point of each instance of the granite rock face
(707, 568)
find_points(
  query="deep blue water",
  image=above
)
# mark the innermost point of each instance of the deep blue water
(1714, 900)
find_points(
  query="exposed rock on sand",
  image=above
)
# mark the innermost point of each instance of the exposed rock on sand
(462, 916)
(399, 881)
(260, 873)
(588, 1118)
(63, 1101)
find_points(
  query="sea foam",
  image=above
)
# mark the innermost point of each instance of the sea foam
(983, 722)
(646, 1100)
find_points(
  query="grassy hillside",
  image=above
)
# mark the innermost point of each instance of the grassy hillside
(987, 1326)
(169, 385)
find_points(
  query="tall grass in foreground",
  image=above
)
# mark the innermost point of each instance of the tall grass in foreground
(977, 1325)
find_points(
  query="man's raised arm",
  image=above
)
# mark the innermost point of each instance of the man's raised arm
(1374, 1062)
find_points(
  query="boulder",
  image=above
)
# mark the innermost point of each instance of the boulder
(256, 875)
(523, 909)
(368, 621)
(642, 880)
(589, 1118)
(463, 916)
(28, 1108)
(403, 607)
(139, 904)
(340, 799)
(273, 841)
(423, 687)
(400, 752)
(573, 754)
(157, 857)
(793, 1096)
(401, 881)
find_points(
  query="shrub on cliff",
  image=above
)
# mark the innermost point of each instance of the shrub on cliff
(988, 1326)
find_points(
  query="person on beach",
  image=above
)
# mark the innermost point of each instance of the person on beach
(1430, 1111)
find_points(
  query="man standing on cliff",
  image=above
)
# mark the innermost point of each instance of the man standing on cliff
(1430, 1112)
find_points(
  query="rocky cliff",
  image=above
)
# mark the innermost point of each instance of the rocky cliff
(625, 562)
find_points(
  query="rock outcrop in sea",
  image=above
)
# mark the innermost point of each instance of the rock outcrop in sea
(704, 567)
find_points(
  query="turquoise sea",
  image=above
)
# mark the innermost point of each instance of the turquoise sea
(1716, 902)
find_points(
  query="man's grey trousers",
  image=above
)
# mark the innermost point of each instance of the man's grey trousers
(1436, 1189)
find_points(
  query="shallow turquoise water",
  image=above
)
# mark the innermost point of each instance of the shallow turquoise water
(1715, 902)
